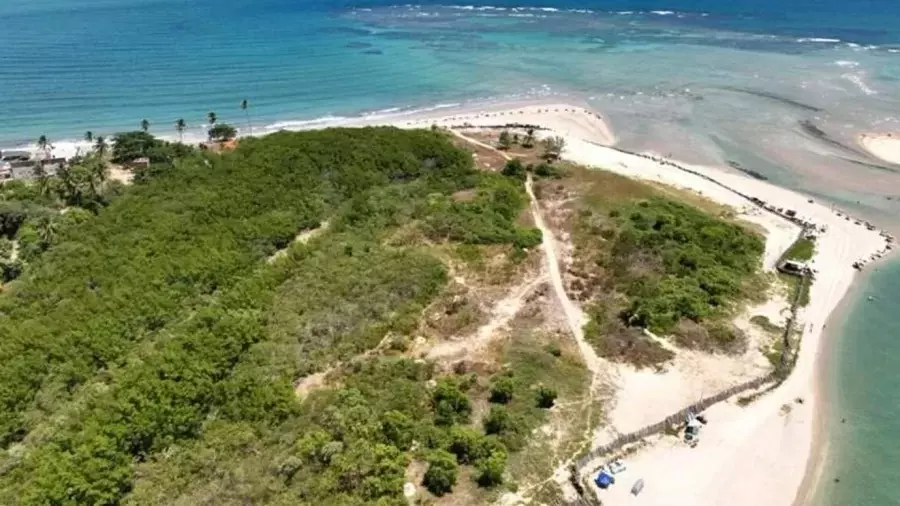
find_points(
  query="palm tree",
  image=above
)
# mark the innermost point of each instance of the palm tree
(98, 172)
(180, 125)
(145, 125)
(100, 146)
(528, 141)
(211, 118)
(46, 231)
(44, 145)
(40, 174)
(244, 107)
(89, 136)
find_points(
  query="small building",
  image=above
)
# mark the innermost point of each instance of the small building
(794, 267)
(140, 163)
(10, 155)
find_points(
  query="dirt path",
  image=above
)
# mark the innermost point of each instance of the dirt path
(575, 317)
(503, 312)
(575, 320)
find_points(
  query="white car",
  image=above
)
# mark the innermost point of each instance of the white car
(617, 466)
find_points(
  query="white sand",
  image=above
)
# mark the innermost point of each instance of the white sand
(884, 146)
(747, 456)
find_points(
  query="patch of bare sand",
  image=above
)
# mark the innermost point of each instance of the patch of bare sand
(117, 173)
(501, 314)
(885, 146)
(301, 238)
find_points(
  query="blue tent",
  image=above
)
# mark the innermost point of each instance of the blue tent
(604, 480)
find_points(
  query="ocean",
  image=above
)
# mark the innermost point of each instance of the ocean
(781, 89)
(863, 390)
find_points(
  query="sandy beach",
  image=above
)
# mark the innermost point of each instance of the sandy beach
(757, 454)
(885, 146)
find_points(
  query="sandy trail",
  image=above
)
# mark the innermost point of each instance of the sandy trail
(575, 317)
(503, 312)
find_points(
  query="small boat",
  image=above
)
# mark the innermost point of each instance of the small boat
(638, 486)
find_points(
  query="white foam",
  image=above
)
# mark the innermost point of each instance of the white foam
(858, 81)
(818, 39)
(287, 125)
(847, 64)
(663, 13)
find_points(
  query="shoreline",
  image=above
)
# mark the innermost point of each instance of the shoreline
(394, 116)
(815, 467)
(817, 464)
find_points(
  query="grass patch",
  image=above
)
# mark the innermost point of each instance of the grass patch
(802, 250)
(531, 364)
(797, 290)
(765, 324)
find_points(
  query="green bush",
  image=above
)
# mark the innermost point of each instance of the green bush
(553, 349)
(515, 169)
(705, 262)
(491, 469)
(546, 397)
(442, 472)
(451, 405)
(497, 421)
(502, 389)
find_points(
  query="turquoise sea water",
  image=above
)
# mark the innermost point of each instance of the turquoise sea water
(781, 88)
(864, 388)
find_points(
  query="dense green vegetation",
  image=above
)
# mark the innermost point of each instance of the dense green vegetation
(149, 352)
(703, 262)
(647, 260)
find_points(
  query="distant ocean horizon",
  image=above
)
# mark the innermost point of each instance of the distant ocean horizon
(781, 89)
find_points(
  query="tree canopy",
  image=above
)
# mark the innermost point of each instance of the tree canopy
(150, 349)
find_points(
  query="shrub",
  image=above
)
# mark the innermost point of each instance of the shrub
(502, 389)
(544, 169)
(466, 444)
(514, 168)
(505, 140)
(450, 404)
(442, 472)
(527, 238)
(553, 349)
(546, 397)
(222, 132)
(490, 469)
